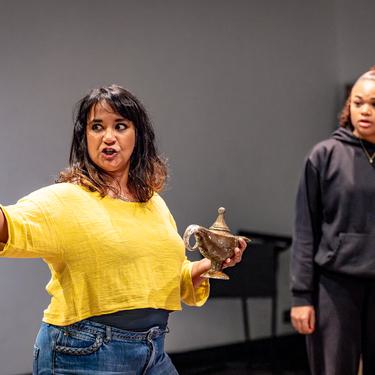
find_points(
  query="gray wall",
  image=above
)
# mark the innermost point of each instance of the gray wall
(238, 91)
(355, 27)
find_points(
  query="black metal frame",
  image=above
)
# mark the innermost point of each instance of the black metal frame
(255, 276)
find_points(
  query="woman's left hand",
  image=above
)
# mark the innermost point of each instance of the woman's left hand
(203, 265)
(238, 252)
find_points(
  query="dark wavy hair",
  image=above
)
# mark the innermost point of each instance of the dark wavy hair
(344, 118)
(147, 172)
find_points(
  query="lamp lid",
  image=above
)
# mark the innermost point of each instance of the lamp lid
(220, 223)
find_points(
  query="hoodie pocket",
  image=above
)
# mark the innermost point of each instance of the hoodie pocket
(354, 254)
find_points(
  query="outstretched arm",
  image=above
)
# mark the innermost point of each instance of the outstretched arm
(3, 228)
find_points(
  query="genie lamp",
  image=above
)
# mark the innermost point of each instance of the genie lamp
(216, 244)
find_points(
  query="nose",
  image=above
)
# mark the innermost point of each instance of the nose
(109, 136)
(366, 109)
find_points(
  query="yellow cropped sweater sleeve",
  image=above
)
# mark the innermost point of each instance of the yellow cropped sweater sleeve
(104, 254)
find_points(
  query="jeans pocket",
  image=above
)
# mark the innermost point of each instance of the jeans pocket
(35, 360)
(78, 344)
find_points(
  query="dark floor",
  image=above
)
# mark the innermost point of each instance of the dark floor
(281, 356)
(240, 370)
(284, 355)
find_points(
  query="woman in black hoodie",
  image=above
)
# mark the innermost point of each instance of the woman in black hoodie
(333, 255)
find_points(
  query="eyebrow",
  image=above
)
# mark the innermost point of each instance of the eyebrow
(360, 97)
(118, 119)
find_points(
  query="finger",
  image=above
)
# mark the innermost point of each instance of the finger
(301, 325)
(308, 327)
(242, 244)
(236, 258)
(294, 324)
(237, 255)
(305, 327)
(228, 263)
(297, 324)
(312, 322)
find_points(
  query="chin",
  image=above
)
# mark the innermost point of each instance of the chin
(368, 135)
(367, 132)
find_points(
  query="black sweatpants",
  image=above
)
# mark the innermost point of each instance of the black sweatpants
(345, 326)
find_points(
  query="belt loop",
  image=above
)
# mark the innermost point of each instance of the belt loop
(108, 333)
(152, 333)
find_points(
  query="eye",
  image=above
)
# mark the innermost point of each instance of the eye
(121, 126)
(96, 127)
(357, 103)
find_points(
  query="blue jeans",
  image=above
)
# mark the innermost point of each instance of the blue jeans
(88, 348)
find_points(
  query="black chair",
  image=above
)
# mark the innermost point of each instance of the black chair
(256, 275)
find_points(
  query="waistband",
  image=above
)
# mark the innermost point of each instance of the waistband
(134, 320)
(108, 332)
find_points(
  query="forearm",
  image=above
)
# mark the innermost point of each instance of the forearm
(3, 228)
(306, 236)
(199, 267)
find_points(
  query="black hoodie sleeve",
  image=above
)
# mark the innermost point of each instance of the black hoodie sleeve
(307, 234)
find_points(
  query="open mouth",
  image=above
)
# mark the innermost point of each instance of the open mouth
(109, 151)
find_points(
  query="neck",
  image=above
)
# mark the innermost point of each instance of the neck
(119, 180)
(363, 137)
(120, 184)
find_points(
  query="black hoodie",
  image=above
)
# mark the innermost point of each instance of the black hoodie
(335, 214)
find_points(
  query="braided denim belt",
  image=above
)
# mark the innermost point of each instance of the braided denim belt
(103, 334)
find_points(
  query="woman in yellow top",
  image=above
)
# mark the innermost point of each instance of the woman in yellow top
(118, 265)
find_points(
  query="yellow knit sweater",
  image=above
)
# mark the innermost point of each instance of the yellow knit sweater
(104, 254)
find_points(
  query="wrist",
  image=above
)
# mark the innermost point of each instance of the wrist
(199, 267)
